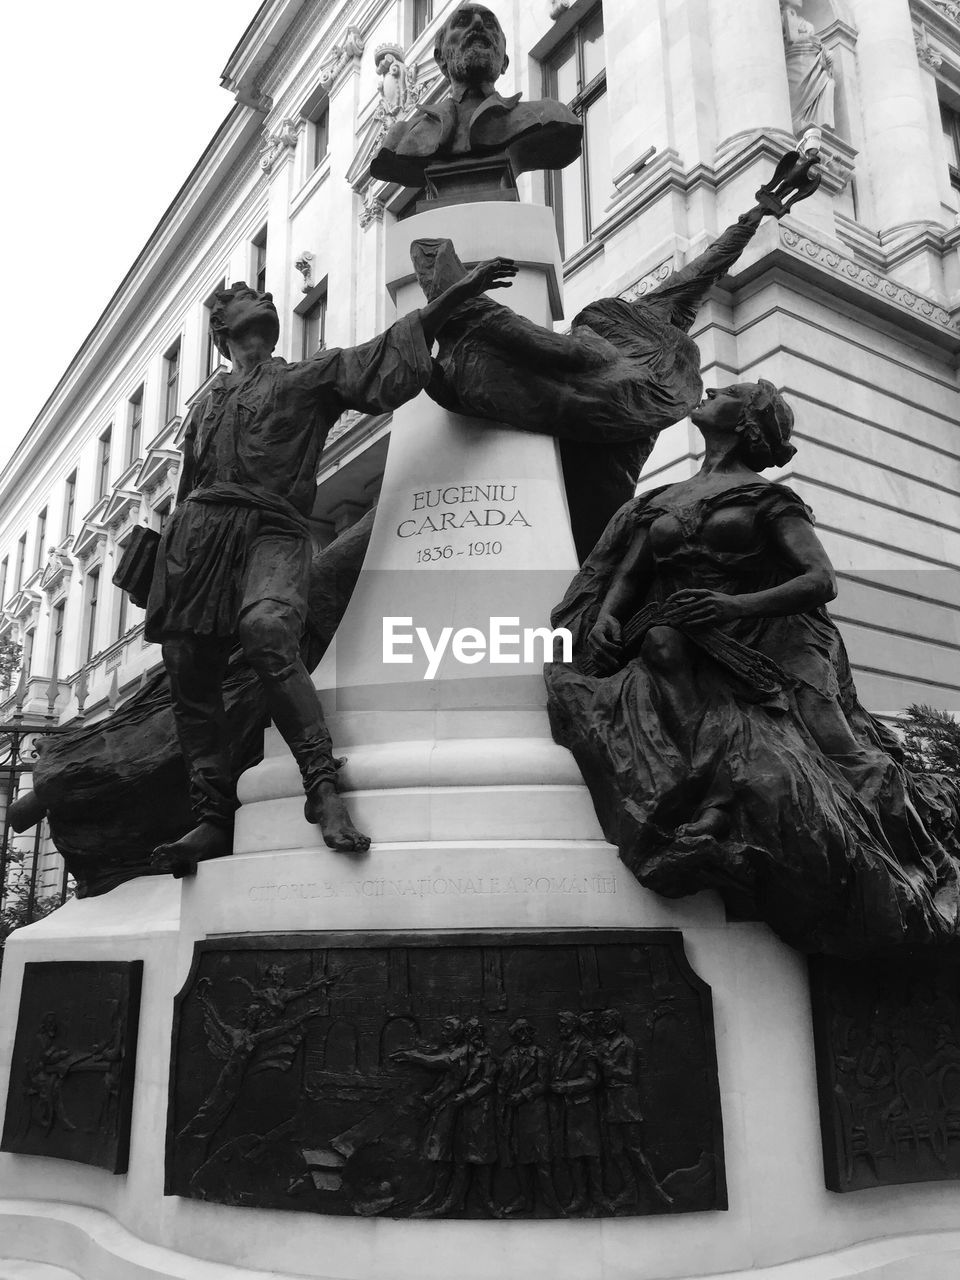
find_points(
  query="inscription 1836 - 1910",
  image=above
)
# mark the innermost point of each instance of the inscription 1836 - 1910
(483, 1075)
(71, 1079)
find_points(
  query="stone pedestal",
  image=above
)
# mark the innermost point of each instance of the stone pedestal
(782, 1224)
(471, 526)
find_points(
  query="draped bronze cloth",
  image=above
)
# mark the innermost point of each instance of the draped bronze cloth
(851, 854)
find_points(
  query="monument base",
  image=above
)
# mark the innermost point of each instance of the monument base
(781, 1222)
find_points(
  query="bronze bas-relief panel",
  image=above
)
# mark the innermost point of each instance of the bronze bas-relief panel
(486, 1075)
(74, 1059)
(887, 1038)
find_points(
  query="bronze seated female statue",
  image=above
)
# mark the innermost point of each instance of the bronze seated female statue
(711, 708)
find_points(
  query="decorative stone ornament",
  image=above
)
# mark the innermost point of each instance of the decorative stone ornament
(397, 88)
(341, 55)
(304, 264)
(277, 142)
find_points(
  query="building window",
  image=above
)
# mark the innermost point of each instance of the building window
(422, 14)
(57, 645)
(320, 129)
(212, 357)
(41, 536)
(26, 659)
(4, 568)
(135, 429)
(314, 329)
(163, 514)
(576, 75)
(260, 261)
(122, 616)
(69, 503)
(90, 621)
(951, 136)
(171, 379)
(21, 562)
(103, 463)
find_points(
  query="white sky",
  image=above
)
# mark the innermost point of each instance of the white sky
(116, 100)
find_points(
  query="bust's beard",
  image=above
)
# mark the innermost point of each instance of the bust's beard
(475, 64)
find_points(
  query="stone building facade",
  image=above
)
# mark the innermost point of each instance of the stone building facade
(851, 304)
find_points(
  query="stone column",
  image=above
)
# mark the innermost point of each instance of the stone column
(895, 124)
(749, 72)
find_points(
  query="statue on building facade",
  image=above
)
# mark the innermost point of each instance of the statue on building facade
(474, 120)
(809, 70)
(711, 709)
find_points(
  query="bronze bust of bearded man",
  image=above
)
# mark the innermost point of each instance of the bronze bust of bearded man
(474, 120)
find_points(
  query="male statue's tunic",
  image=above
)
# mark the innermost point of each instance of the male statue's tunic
(235, 555)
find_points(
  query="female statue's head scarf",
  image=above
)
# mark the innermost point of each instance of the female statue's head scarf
(765, 425)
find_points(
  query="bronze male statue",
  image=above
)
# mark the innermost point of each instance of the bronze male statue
(474, 120)
(234, 559)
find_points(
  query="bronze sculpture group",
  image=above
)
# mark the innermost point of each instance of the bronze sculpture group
(709, 704)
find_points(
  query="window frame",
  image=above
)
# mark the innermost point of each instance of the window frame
(171, 382)
(91, 609)
(58, 613)
(415, 29)
(104, 448)
(950, 120)
(314, 302)
(135, 426)
(587, 95)
(259, 259)
(41, 538)
(212, 356)
(319, 116)
(21, 562)
(69, 503)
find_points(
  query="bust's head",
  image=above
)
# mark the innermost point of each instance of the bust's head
(471, 48)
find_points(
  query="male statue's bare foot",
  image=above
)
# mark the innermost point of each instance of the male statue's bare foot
(326, 809)
(180, 857)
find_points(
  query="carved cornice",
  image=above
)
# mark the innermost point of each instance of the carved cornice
(648, 282)
(948, 8)
(25, 606)
(802, 247)
(123, 505)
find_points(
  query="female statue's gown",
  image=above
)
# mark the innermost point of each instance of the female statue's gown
(838, 854)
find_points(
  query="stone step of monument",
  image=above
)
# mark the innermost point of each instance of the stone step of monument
(351, 726)
(424, 762)
(423, 815)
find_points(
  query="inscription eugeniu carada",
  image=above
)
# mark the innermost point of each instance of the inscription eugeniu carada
(463, 506)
